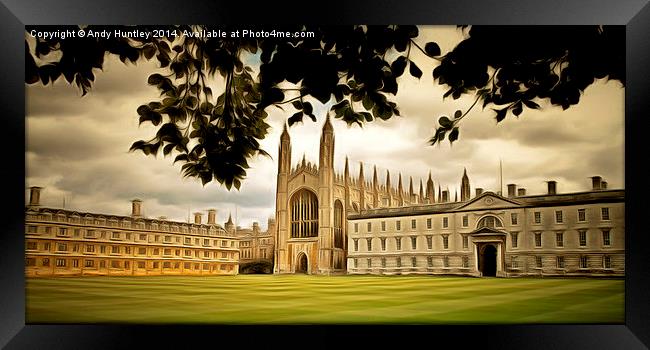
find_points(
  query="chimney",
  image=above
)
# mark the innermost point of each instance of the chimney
(512, 190)
(136, 208)
(212, 216)
(551, 187)
(445, 196)
(197, 218)
(521, 192)
(596, 183)
(256, 227)
(479, 191)
(603, 185)
(34, 196)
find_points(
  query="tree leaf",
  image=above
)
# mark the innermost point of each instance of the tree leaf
(398, 66)
(432, 49)
(414, 70)
(501, 113)
(531, 104)
(445, 122)
(453, 135)
(458, 114)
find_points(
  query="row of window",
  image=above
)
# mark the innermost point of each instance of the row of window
(490, 221)
(116, 249)
(559, 240)
(118, 264)
(125, 224)
(584, 262)
(413, 263)
(248, 254)
(138, 237)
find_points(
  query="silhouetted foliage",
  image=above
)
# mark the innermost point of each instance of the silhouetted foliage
(214, 138)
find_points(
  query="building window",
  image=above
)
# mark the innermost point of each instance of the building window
(304, 214)
(46, 246)
(32, 229)
(430, 242)
(583, 262)
(62, 247)
(607, 262)
(429, 223)
(445, 261)
(156, 251)
(582, 215)
(90, 248)
(75, 263)
(515, 238)
(413, 224)
(383, 262)
(538, 217)
(356, 227)
(538, 262)
(414, 242)
(489, 221)
(115, 249)
(559, 239)
(62, 231)
(398, 225)
(558, 216)
(369, 262)
(582, 235)
(356, 245)
(606, 238)
(560, 262)
(465, 241)
(604, 213)
(445, 222)
(465, 220)
(338, 224)
(445, 242)
(430, 261)
(102, 264)
(369, 226)
(115, 264)
(465, 262)
(356, 262)
(383, 225)
(30, 262)
(48, 230)
(399, 262)
(115, 235)
(89, 263)
(45, 262)
(60, 262)
(383, 243)
(513, 218)
(414, 262)
(514, 263)
(538, 239)
(398, 243)
(369, 243)
(31, 246)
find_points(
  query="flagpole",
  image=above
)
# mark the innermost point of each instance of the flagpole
(500, 177)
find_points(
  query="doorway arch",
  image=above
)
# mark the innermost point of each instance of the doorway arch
(488, 260)
(303, 264)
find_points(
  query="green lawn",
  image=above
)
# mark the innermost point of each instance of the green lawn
(302, 299)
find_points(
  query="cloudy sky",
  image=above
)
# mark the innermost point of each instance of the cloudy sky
(77, 147)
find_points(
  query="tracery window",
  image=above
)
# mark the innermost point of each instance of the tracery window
(304, 214)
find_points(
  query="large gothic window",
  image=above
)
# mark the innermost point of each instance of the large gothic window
(489, 221)
(338, 224)
(304, 214)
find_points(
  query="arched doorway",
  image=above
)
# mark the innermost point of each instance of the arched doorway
(302, 264)
(488, 260)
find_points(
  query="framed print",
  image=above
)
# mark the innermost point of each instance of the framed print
(388, 176)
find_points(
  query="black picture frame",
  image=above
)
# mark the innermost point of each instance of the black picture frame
(15, 14)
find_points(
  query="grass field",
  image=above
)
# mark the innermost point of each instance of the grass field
(302, 299)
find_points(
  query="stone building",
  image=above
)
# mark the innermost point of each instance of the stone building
(572, 234)
(255, 246)
(336, 223)
(63, 242)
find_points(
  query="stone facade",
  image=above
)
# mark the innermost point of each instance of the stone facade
(254, 245)
(334, 223)
(69, 243)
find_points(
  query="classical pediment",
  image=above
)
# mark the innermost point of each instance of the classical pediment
(487, 231)
(489, 200)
